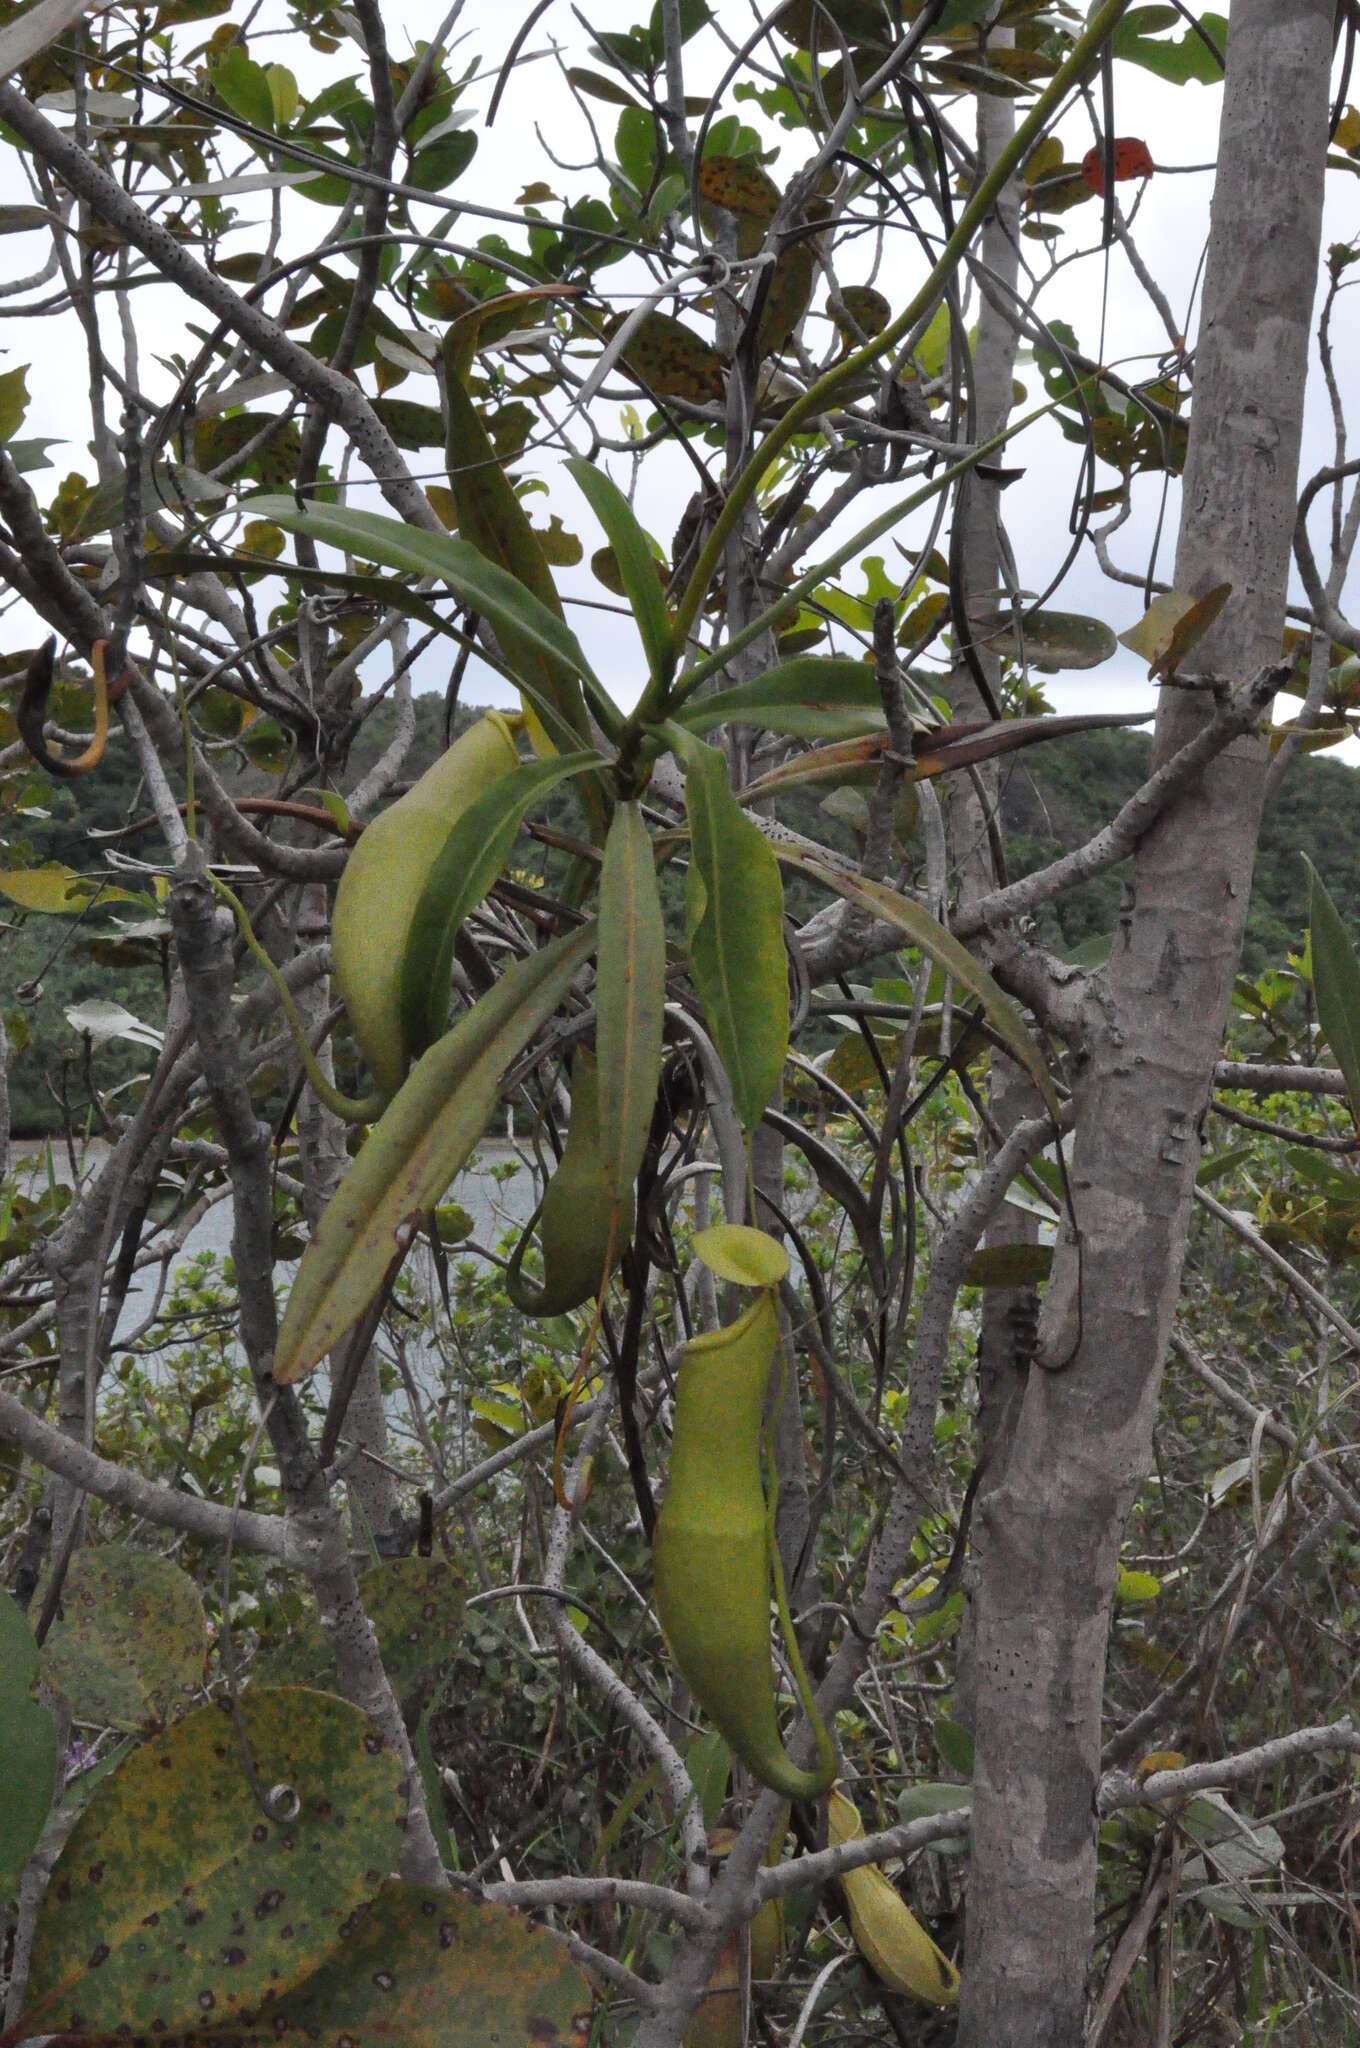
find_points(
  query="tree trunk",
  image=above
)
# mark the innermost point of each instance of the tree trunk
(1013, 1097)
(1052, 1525)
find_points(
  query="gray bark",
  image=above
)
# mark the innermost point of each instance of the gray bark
(1013, 1097)
(1052, 1524)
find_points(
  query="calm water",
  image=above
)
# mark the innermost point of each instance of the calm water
(494, 1203)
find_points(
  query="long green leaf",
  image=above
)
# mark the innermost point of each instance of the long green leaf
(940, 945)
(637, 564)
(1336, 983)
(423, 1138)
(467, 864)
(172, 563)
(810, 697)
(492, 518)
(489, 589)
(630, 997)
(735, 921)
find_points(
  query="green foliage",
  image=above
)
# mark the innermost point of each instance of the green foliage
(470, 860)
(632, 995)
(424, 1137)
(734, 922)
(190, 1898)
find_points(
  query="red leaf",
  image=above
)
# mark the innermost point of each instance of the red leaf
(1132, 159)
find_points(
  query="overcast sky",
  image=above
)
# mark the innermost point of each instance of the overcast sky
(1179, 126)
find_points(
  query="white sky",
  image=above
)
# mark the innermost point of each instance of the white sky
(1179, 126)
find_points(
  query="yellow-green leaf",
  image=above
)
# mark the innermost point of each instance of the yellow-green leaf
(469, 861)
(809, 697)
(428, 1969)
(630, 997)
(1309, 739)
(243, 86)
(868, 309)
(1009, 1265)
(53, 890)
(283, 93)
(734, 1251)
(129, 1648)
(13, 401)
(1171, 625)
(735, 925)
(424, 1136)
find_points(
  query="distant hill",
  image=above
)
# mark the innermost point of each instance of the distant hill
(1054, 797)
(1058, 795)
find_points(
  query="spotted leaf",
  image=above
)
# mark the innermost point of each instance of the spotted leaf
(741, 187)
(859, 21)
(786, 301)
(30, 1747)
(868, 310)
(178, 1903)
(672, 360)
(427, 1969)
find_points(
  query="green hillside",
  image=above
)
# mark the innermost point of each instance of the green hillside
(1058, 795)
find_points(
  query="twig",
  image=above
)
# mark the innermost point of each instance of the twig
(1119, 838)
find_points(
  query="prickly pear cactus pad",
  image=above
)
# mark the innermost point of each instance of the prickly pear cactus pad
(179, 1901)
(28, 1742)
(129, 1648)
(427, 1969)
